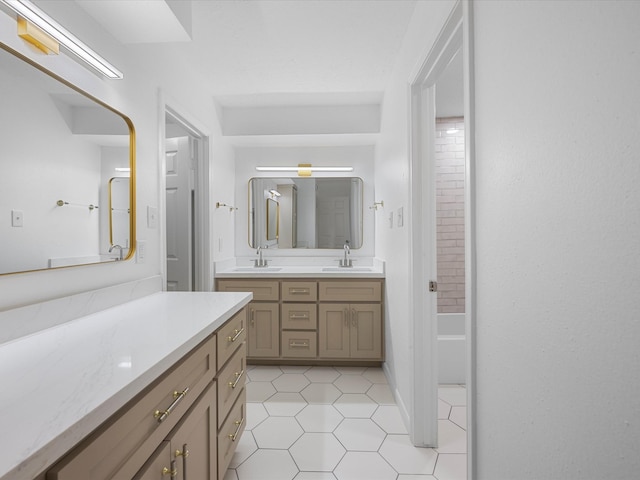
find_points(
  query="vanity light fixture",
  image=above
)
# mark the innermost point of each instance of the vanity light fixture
(28, 12)
(304, 169)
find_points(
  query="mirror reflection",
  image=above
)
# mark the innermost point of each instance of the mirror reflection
(312, 212)
(272, 219)
(60, 151)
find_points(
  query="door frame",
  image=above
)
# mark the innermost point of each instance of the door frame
(202, 237)
(456, 33)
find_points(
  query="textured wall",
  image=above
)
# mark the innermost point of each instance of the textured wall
(558, 240)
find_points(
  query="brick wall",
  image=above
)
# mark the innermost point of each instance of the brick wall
(450, 213)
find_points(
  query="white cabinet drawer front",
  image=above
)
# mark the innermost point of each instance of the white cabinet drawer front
(351, 291)
(299, 316)
(299, 344)
(299, 291)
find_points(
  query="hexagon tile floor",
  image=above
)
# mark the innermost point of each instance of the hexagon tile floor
(341, 423)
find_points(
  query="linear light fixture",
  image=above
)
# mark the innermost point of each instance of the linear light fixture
(27, 10)
(304, 167)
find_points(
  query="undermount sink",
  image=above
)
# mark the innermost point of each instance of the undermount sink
(257, 269)
(347, 269)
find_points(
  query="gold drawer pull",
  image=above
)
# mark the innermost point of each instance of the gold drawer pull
(295, 291)
(299, 345)
(238, 377)
(173, 472)
(237, 334)
(161, 415)
(182, 453)
(295, 316)
(239, 426)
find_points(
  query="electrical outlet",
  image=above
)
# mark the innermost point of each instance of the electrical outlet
(141, 251)
(16, 218)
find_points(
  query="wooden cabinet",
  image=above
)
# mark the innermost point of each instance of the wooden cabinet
(171, 429)
(313, 321)
(350, 331)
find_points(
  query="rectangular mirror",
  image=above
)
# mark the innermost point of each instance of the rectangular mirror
(313, 212)
(60, 151)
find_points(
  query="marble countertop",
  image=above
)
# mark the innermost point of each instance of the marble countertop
(63, 382)
(297, 271)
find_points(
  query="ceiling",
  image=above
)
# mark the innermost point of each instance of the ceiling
(272, 47)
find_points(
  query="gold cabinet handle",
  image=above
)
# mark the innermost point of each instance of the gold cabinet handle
(252, 316)
(172, 472)
(239, 426)
(299, 345)
(296, 316)
(182, 453)
(161, 415)
(237, 333)
(295, 291)
(238, 376)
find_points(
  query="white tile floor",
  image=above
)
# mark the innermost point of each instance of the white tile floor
(341, 423)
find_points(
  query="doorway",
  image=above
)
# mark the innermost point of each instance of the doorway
(186, 208)
(454, 39)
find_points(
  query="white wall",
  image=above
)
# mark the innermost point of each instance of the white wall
(392, 186)
(558, 239)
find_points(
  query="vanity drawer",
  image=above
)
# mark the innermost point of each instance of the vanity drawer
(299, 291)
(299, 344)
(230, 433)
(231, 380)
(231, 336)
(261, 289)
(299, 316)
(139, 427)
(351, 291)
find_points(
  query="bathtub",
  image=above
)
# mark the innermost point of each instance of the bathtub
(451, 348)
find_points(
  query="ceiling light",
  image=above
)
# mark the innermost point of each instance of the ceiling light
(27, 10)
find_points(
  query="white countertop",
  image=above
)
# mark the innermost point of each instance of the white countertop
(296, 271)
(61, 383)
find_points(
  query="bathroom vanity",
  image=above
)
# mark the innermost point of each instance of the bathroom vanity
(311, 315)
(152, 387)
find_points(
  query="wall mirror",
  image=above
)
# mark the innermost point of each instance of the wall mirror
(64, 155)
(272, 219)
(313, 212)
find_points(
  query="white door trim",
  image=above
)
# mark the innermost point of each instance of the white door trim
(424, 409)
(204, 267)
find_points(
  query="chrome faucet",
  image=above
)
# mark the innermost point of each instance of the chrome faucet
(260, 262)
(346, 262)
(120, 257)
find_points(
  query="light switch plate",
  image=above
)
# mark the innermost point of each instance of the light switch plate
(152, 216)
(17, 218)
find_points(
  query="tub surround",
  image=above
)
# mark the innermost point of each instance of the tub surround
(67, 379)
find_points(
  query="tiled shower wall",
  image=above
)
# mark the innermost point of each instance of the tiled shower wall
(450, 213)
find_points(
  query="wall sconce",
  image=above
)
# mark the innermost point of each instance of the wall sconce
(304, 169)
(275, 193)
(52, 31)
(377, 204)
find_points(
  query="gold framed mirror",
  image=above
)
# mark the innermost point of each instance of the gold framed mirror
(60, 148)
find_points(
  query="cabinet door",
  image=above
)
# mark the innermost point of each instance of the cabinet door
(366, 331)
(193, 442)
(264, 330)
(333, 330)
(159, 466)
